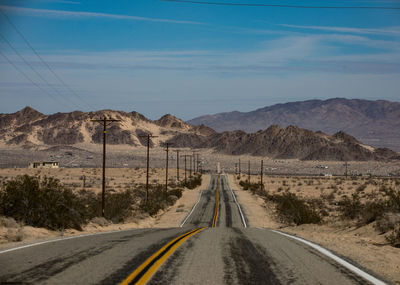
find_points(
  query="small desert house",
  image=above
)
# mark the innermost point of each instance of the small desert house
(43, 164)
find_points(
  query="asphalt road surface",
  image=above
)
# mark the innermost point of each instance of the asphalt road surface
(213, 246)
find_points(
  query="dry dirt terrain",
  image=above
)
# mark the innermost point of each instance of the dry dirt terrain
(362, 244)
(90, 156)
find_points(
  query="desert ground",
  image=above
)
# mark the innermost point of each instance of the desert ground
(90, 156)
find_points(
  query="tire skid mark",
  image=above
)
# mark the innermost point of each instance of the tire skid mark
(250, 262)
(54, 266)
(228, 210)
(167, 273)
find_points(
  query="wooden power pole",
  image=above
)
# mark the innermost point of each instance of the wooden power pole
(186, 156)
(166, 171)
(104, 121)
(249, 173)
(177, 164)
(148, 136)
(261, 175)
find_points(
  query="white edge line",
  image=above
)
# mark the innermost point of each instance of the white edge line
(61, 239)
(187, 217)
(339, 260)
(240, 209)
(198, 200)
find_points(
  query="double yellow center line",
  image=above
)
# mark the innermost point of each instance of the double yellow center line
(143, 273)
(215, 218)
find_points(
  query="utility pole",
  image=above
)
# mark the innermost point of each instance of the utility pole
(261, 174)
(190, 166)
(345, 164)
(240, 172)
(249, 173)
(198, 161)
(166, 172)
(185, 156)
(103, 185)
(148, 136)
(177, 164)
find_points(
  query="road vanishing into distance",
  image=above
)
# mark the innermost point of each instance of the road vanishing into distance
(212, 246)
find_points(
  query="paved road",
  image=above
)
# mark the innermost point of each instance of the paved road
(228, 253)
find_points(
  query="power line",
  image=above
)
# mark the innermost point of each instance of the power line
(41, 59)
(27, 77)
(33, 69)
(282, 6)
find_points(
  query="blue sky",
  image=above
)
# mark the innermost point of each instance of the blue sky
(158, 57)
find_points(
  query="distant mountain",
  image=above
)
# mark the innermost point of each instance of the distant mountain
(376, 123)
(29, 128)
(289, 142)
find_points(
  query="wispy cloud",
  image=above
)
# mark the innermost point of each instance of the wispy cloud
(394, 31)
(83, 15)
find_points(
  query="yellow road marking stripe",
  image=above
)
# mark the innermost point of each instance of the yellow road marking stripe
(215, 218)
(159, 262)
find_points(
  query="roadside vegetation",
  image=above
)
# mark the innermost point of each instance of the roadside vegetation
(290, 208)
(360, 201)
(45, 202)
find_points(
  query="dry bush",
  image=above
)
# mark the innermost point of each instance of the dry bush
(14, 234)
(388, 222)
(292, 209)
(8, 222)
(394, 237)
(100, 221)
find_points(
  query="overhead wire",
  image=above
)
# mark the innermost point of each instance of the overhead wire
(34, 70)
(281, 5)
(28, 78)
(42, 60)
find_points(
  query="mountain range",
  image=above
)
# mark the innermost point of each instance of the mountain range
(29, 128)
(376, 123)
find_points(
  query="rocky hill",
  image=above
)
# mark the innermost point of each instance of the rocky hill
(289, 142)
(373, 122)
(29, 128)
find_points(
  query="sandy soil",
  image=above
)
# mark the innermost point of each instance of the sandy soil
(90, 178)
(253, 207)
(122, 156)
(363, 244)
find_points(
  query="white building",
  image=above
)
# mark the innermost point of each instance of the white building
(43, 164)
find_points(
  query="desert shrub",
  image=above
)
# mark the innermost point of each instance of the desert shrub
(350, 208)
(8, 222)
(14, 234)
(192, 182)
(177, 192)
(292, 209)
(361, 188)
(100, 221)
(244, 185)
(394, 237)
(41, 204)
(387, 222)
(157, 200)
(372, 210)
(118, 206)
(50, 205)
(254, 188)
